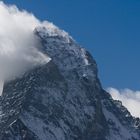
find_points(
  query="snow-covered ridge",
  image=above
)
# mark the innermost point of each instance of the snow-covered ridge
(63, 50)
(48, 29)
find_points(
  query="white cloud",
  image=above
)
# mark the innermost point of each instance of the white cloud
(18, 46)
(130, 99)
(1, 87)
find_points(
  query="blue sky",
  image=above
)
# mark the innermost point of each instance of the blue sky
(109, 29)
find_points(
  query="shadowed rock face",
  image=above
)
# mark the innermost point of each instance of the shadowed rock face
(63, 100)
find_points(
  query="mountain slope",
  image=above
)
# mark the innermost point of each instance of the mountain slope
(63, 100)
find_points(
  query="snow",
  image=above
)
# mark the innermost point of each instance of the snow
(117, 130)
(83, 53)
(48, 29)
(64, 104)
(63, 50)
(40, 129)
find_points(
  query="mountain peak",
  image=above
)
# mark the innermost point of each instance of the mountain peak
(48, 29)
(63, 99)
(62, 48)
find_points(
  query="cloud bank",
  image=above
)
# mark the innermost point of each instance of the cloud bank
(18, 46)
(130, 99)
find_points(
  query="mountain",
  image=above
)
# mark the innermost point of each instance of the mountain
(63, 99)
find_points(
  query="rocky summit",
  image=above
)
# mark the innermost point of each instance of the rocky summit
(63, 99)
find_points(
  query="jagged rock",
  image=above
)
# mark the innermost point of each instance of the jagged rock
(63, 100)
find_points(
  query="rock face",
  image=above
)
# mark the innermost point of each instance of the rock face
(63, 100)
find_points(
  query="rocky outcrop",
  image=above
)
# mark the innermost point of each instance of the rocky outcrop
(63, 100)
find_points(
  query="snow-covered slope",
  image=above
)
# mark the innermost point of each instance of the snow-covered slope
(63, 100)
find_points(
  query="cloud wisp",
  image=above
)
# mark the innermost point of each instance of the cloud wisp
(130, 99)
(18, 45)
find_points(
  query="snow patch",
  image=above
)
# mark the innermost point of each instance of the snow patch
(117, 130)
